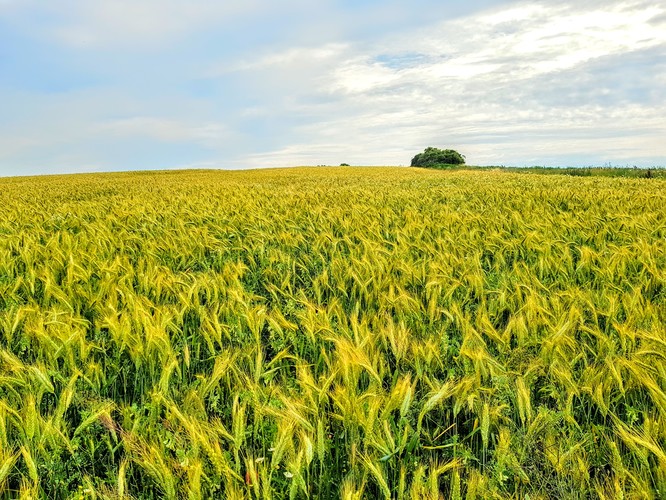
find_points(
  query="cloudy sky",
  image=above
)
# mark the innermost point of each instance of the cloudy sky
(91, 85)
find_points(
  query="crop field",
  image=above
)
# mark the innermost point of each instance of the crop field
(332, 333)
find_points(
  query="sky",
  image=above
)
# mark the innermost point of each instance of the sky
(102, 85)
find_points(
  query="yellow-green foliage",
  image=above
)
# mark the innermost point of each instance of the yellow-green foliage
(332, 333)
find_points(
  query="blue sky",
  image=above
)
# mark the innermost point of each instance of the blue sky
(101, 85)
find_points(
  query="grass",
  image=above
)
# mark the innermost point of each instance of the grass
(332, 333)
(634, 173)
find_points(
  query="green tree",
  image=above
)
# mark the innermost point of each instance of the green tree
(435, 157)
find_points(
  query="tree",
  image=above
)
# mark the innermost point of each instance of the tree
(435, 157)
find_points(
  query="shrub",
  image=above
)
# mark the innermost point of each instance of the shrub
(434, 157)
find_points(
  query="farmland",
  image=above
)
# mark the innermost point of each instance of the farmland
(332, 333)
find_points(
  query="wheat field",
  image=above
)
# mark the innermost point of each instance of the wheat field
(332, 333)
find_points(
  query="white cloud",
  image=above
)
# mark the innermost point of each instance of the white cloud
(135, 24)
(168, 130)
(565, 39)
(534, 38)
(125, 21)
(283, 60)
(361, 75)
(501, 85)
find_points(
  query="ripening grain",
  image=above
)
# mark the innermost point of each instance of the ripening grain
(332, 333)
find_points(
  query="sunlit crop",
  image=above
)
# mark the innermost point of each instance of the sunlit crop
(332, 333)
